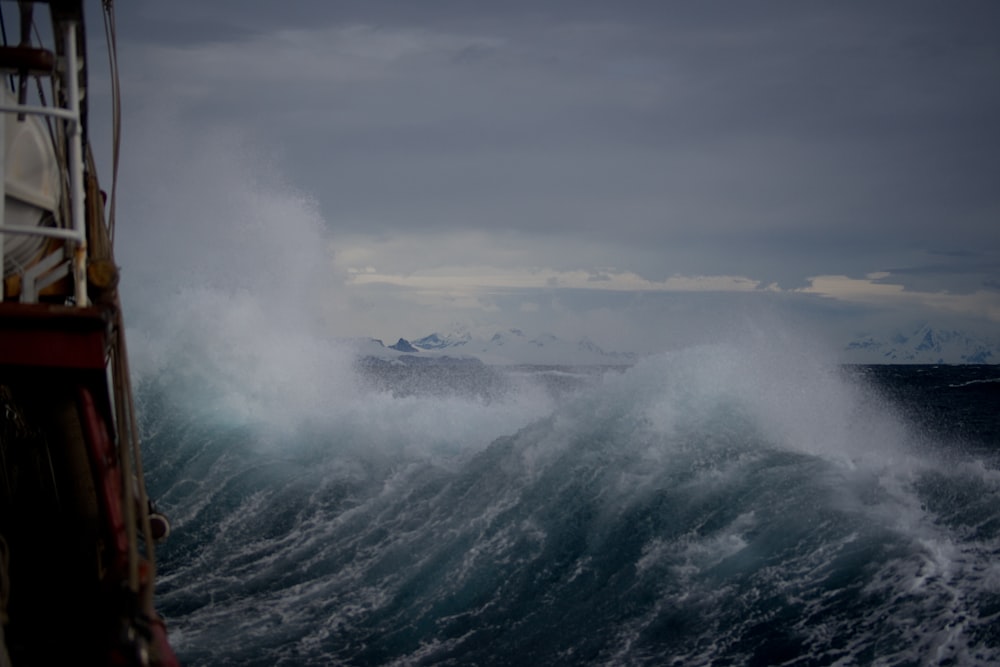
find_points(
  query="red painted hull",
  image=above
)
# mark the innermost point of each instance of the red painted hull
(58, 355)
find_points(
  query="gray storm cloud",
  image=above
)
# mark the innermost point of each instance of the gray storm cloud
(775, 144)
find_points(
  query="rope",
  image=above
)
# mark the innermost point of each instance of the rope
(134, 483)
(128, 428)
(49, 123)
(111, 37)
(125, 456)
(132, 436)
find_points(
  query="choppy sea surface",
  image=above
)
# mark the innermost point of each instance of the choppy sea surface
(709, 506)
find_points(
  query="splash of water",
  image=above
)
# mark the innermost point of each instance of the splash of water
(745, 500)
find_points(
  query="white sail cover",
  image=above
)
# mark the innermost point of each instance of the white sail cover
(31, 185)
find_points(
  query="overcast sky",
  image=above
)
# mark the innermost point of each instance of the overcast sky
(636, 172)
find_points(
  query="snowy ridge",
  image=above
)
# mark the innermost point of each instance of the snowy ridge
(513, 346)
(438, 342)
(508, 347)
(924, 345)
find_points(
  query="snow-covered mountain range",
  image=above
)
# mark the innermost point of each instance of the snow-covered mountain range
(920, 345)
(511, 346)
(924, 345)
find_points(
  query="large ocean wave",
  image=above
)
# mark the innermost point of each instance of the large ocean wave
(730, 504)
(743, 504)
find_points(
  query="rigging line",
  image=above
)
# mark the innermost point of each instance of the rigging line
(41, 89)
(55, 129)
(129, 501)
(111, 37)
(134, 440)
(136, 496)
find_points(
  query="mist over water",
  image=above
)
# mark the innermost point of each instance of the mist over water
(746, 502)
(706, 504)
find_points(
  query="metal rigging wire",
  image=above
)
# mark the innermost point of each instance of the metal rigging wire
(111, 37)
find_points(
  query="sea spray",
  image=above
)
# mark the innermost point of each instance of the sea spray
(745, 502)
(715, 503)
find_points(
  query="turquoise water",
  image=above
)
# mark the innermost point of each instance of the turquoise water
(714, 505)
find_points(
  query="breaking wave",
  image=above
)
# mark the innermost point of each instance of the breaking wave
(713, 504)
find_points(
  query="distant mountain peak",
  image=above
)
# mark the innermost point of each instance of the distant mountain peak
(924, 344)
(515, 346)
(436, 341)
(403, 345)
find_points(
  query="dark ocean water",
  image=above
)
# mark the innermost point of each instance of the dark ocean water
(712, 506)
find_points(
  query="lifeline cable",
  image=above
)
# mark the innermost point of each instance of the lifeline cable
(111, 37)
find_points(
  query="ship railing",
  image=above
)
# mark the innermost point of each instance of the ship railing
(53, 267)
